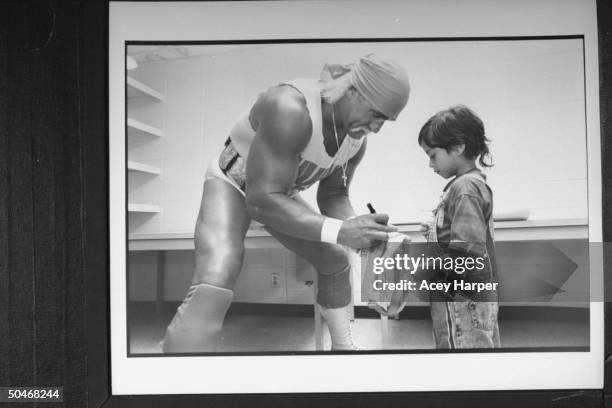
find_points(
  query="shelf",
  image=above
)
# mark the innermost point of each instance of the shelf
(142, 127)
(143, 208)
(143, 168)
(137, 89)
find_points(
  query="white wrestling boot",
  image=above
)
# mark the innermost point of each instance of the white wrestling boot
(339, 326)
(196, 326)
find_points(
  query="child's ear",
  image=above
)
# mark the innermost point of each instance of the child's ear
(459, 149)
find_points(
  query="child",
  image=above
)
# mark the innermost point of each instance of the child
(462, 229)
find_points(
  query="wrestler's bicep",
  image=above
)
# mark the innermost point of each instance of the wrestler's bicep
(269, 169)
(282, 134)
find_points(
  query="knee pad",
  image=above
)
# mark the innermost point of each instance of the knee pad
(334, 290)
(197, 324)
(332, 260)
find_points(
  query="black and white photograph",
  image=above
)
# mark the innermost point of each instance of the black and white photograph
(278, 198)
(188, 131)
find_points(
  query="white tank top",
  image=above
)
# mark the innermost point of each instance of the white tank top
(315, 164)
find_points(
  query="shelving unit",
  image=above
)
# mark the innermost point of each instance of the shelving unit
(137, 89)
(143, 168)
(134, 124)
(143, 208)
(141, 95)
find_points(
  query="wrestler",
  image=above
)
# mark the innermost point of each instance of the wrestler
(296, 134)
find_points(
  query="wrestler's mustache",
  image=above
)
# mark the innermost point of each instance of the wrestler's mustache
(360, 130)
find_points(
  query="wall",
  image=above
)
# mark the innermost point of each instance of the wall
(528, 93)
(255, 284)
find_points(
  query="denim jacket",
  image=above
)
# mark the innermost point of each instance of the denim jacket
(463, 227)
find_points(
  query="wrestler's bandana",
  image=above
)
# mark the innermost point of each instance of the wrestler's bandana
(382, 83)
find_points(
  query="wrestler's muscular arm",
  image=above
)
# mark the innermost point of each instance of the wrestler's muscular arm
(283, 128)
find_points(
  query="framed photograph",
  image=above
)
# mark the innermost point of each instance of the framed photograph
(187, 82)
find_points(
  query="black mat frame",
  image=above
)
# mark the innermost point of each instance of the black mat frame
(54, 222)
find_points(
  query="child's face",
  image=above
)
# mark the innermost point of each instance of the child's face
(442, 162)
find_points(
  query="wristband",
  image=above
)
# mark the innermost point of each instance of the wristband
(330, 230)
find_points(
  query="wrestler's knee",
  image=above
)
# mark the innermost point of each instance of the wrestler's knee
(331, 260)
(334, 287)
(218, 259)
(334, 290)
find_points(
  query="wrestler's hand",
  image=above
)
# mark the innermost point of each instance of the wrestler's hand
(365, 231)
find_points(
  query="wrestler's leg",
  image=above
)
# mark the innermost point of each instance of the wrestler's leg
(219, 250)
(334, 289)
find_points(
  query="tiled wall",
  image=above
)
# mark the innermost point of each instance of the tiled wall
(255, 283)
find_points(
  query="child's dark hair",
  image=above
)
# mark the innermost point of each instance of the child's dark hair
(455, 126)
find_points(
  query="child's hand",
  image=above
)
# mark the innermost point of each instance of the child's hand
(394, 310)
(398, 237)
(425, 227)
(396, 305)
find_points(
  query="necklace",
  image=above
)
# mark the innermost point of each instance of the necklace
(342, 166)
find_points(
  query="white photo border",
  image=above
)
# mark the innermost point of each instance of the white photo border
(345, 19)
